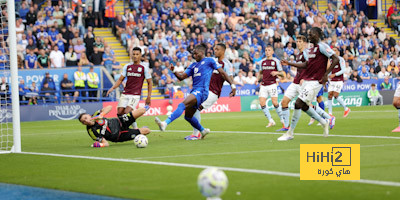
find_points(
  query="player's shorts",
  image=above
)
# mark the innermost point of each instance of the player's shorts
(335, 86)
(125, 135)
(128, 100)
(268, 91)
(309, 90)
(200, 94)
(397, 93)
(211, 99)
(126, 120)
(293, 91)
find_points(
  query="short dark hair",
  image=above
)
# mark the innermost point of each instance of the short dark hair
(373, 85)
(318, 30)
(80, 116)
(222, 45)
(201, 47)
(302, 38)
(137, 49)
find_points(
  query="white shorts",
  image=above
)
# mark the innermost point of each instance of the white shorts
(335, 86)
(292, 91)
(128, 100)
(211, 99)
(268, 91)
(397, 93)
(309, 91)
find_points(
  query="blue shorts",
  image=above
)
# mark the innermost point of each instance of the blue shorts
(200, 94)
(321, 92)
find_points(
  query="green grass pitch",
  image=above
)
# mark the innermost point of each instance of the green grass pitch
(380, 158)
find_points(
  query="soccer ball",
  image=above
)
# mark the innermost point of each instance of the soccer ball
(212, 182)
(140, 141)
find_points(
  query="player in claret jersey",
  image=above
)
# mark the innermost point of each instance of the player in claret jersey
(336, 84)
(216, 83)
(135, 73)
(294, 89)
(270, 69)
(201, 72)
(315, 76)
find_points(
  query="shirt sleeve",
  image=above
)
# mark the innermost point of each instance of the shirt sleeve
(214, 64)
(124, 69)
(305, 54)
(342, 65)
(278, 64)
(147, 74)
(189, 70)
(326, 50)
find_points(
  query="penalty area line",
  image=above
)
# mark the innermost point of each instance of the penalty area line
(299, 134)
(243, 170)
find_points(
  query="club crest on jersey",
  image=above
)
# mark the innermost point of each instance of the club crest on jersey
(203, 63)
(100, 122)
(272, 63)
(139, 69)
(196, 70)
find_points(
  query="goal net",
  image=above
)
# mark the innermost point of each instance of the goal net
(9, 100)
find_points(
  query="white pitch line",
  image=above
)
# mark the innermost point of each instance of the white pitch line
(244, 152)
(254, 171)
(300, 134)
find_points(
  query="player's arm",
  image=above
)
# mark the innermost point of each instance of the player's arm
(279, 69)
(180, 75)
(297, 65)
(230, 81)
(149, 85)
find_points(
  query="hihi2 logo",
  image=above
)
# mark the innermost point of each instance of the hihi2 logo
(329, 162)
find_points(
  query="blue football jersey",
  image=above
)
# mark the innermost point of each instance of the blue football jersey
(201, 72)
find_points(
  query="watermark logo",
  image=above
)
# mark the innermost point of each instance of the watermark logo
(329, 162)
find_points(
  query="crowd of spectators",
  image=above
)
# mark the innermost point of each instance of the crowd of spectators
(61, 35)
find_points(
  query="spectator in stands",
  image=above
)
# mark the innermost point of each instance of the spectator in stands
(59, 16)
(108, 58)
(48, 79)
(356, 77)
(48, 93)
(120, 26)
(250, 79)
(56, 58)
(93, 83)
(390, 12)
(364, 74)
(23, 89)
(43, 60)
(372, 73)
(31, 17)
(386, 85)
(96, 57)
(31, 61)
(89, 17)
(79, 48)
(240, 79)
(23, 11)
(179, 94)
(383, 73)
(374, 96)
(89, 41)
(4, 88)
(80, 78)
(67, 90)
(84, 61)
(3, 61)
(33, 94)
(71, 57)
(99, 45)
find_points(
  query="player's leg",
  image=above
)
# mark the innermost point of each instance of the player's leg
(130, 118)
(190, 101)
(189, 112)
(273, 93)
(285, 113)
(263, 100)
(211, 100)
(330, 99)
(130, 134)
(396, 104)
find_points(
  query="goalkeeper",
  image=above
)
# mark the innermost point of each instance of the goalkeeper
(103, 129)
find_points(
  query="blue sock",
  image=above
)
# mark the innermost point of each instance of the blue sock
(177, 113)
(198, 117)
(195, 123)
(321, 105)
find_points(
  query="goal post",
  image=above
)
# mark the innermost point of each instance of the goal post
(10, 72)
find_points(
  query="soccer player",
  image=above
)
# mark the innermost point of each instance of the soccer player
(294, 88)
(216, 83)
(270, 69)
(396, 104)
(135, 73)
(314, 78)
(319, 104)
(103, 129)
(201, 72)
(336, 85)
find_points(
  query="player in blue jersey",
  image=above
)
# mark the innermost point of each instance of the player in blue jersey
(201, 72)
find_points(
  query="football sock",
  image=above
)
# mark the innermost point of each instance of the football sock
(278, 110)
(134, 125)
(322, 113)
(330, 106)
(398, 109)
(321, 105)
(312, 113)
(286, 116)
(198, 117)
(266, 112)
(193, 121)
(295, 119)
(177, 113)
(340, 100)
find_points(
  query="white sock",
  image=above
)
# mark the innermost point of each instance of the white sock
(312, 113)
(266, 112)
(134, 125)
(330, 106)
(295, 119)
(340, 100)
